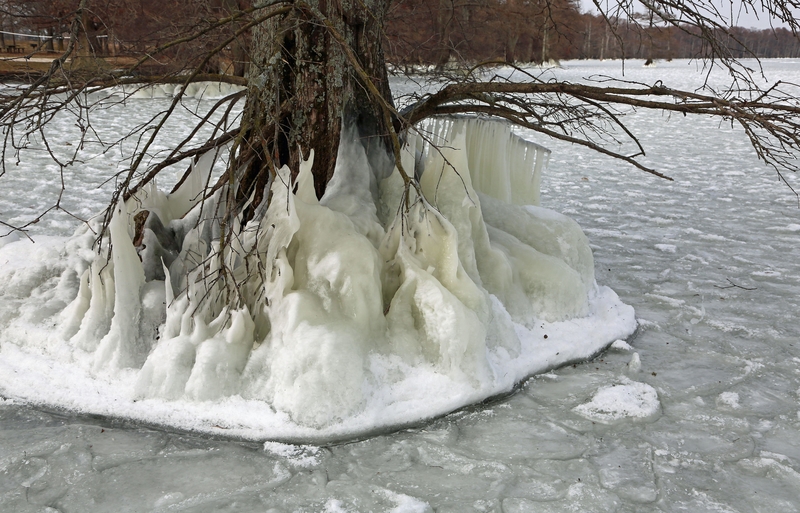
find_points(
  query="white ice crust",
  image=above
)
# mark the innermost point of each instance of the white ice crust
(365, 310)
(207, 90)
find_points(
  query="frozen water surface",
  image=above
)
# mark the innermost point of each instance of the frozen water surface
(722, 359)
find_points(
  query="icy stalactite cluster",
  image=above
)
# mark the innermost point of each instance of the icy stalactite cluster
(502, 164)
(351, 305)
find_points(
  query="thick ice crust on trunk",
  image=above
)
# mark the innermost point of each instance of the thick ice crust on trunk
(375, 306)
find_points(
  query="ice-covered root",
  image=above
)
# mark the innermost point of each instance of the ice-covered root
(544, 230)
(116, 314)
(204, 362)
(319, 291)
(325, 310)
(314, 290)
(537, 262)
(436, 314)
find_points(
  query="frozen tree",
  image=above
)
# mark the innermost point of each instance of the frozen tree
(341, 226)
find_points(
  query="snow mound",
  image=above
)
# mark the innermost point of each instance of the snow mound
(376, 306)
(621, 345)
(629, 399)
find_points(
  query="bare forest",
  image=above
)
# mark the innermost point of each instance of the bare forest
(417, 32)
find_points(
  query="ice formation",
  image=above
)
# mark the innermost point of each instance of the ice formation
(366, 309)
(627, 399)
(205, 89)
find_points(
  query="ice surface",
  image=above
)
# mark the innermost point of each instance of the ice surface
(353, 313)
(530, 451)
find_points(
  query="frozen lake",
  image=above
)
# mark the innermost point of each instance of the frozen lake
(710, 262)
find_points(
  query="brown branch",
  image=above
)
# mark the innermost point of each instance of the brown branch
(152, 172)
(542, 106)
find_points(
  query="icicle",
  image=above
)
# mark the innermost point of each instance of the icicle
(305, 181)
(501, 164)
(123, 346)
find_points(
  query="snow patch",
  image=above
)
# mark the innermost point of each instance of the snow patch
(621, 345)
(628, 399)
(728, 400)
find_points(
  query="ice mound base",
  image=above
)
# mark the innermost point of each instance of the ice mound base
(373, 308)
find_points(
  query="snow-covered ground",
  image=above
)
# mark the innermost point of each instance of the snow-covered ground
(700, 412)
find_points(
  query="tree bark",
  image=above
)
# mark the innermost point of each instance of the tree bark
(302, 87)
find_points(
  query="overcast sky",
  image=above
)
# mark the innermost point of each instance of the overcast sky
(742, 19)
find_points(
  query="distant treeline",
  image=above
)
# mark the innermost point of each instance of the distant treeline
(435, 32)
(429, 32)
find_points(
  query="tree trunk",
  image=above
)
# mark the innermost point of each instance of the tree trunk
(240, 59)
(49, 41)
(545, 53)
(238, 54)
(85, 58)
(112, 42)
(512, 38)
(302, 88)
(444, 26)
